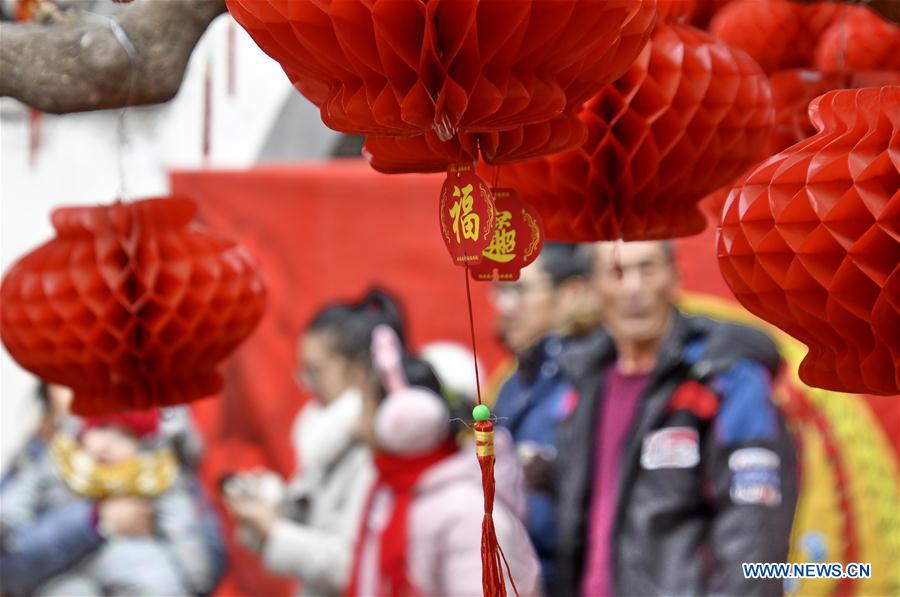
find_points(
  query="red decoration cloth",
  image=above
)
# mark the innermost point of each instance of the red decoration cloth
(399, 474)
(810, 241)
(130, 305)
(687, 117)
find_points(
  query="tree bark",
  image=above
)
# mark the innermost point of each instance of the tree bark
(75, 66)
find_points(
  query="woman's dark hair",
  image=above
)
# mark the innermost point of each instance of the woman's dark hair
(563, 261)
(42, 393)
(419, 373)
(349, 326)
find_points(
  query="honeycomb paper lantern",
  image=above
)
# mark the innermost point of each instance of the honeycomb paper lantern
(861, 40)
(686, 118)
(776, 33)
(427, 153)
(406, 67)
(793, 89)
(810, 241)
(131, 305)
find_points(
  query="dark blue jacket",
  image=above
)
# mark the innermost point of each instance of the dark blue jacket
(531, 404)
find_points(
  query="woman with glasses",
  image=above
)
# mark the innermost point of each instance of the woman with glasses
(310, 534)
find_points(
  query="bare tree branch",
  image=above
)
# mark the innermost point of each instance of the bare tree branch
(65, 66)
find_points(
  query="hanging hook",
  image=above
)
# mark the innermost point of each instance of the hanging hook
(121, 133)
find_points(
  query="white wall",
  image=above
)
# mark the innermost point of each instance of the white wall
(77, 164)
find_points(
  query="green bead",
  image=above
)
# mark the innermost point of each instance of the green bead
(481, 413)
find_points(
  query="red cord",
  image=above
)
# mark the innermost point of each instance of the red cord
(472, 331)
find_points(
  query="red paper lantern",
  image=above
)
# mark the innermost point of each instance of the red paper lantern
(427, 153)
(406, 67)
(776, 33)
(861, 40)
(792, 90)
(517, 240)
(688, 116)
(130, 305)
(810, 241)
(430, 152)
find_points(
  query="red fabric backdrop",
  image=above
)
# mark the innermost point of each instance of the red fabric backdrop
(329, 231)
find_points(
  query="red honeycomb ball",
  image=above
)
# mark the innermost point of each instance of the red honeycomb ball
(810, 241)
(860, 41)
(776, 33)
(405, 67)
(793, 89)
(131, 305)
(688, 116)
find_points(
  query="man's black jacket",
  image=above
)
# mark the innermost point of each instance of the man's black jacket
(707, 476)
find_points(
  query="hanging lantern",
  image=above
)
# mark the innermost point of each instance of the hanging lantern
(130, 305)
(427, 153)
(810, 241)
(776, 33)
(793, 89)
(860, 41)
(688, 116)
(516, 242)
(408, 68)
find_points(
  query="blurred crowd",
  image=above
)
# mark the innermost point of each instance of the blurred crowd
(638, 452)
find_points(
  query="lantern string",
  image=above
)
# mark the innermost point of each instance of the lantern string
(472, 331)
(121, 132)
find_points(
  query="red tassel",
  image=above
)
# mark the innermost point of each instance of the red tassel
(34, 135)
(493, 560)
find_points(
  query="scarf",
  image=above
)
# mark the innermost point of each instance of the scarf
(399, 474)
(144, 475)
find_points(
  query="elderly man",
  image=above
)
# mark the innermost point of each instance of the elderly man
(675, 466)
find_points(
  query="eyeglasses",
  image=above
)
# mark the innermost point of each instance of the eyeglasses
(517, 290)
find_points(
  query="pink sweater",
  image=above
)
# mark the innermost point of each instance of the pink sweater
(445, 527)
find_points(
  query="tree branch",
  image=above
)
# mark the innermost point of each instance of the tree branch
(65, 67)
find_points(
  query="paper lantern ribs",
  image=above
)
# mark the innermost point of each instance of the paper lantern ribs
(810, 241)
(686, 118)
(776, 33)
(131, 305)
(793, 89)
(861, 40)
(451, 70)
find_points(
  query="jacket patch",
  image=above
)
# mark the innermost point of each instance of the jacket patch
(755, 477)
(672, 447)
(696, 398)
